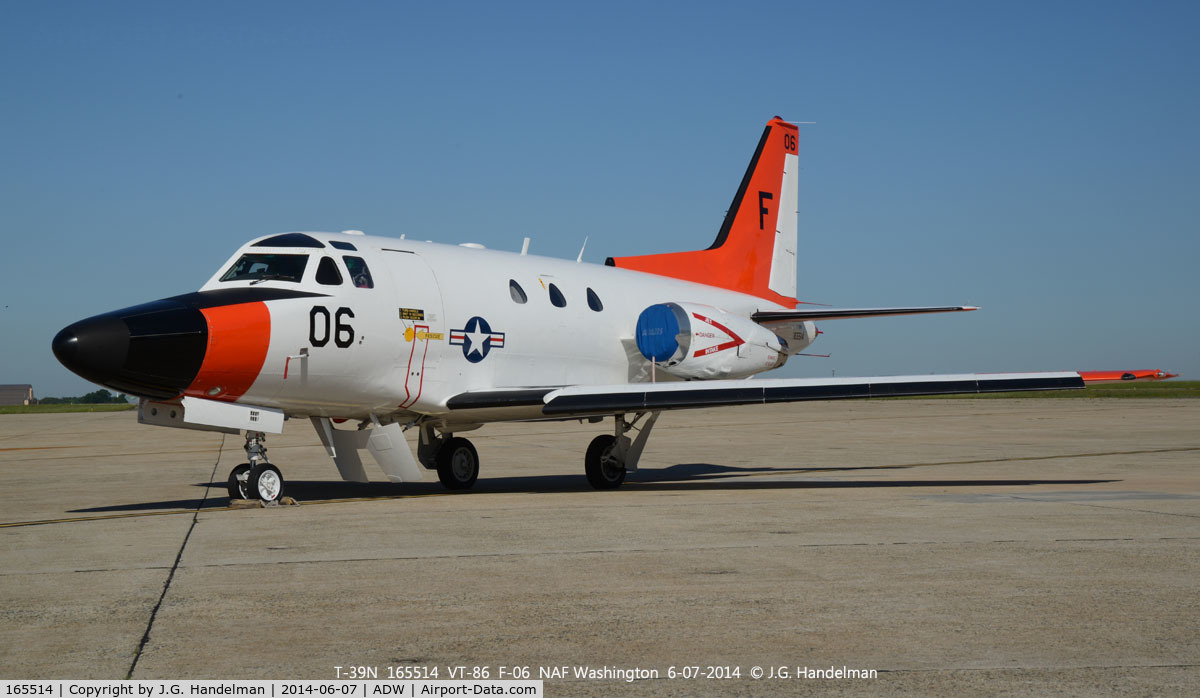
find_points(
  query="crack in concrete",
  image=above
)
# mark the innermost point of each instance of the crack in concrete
(656, 551)
(1101, 506)
(1057, 457)
(607, 551)
(137, 655)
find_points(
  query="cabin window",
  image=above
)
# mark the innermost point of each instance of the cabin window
(594, 301)
(327, 273)
(556, 297)
(517, 293)
(343, 245)
(267, 267)
(290, 240)
(359, 273)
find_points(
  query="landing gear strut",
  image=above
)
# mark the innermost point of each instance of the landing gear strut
(610, 456)
(257, 479)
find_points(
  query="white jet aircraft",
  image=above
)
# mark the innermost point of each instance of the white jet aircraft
(389, 334)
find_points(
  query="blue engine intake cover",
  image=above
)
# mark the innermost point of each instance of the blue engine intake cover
(657, 327)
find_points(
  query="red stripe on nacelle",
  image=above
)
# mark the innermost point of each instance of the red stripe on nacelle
(734, 339)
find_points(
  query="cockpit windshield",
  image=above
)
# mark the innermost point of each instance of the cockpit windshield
(267, 267)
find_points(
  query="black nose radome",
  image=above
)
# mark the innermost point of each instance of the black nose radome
(152, 350)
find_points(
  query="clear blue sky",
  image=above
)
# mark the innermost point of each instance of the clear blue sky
(1039, 159)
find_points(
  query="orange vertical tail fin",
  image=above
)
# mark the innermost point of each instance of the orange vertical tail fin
(755, 250)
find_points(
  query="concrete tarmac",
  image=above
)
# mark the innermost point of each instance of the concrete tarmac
(1025, 546)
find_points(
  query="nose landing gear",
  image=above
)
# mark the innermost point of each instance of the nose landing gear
(257, 479)
(239, 486)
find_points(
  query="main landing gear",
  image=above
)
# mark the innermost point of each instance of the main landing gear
(257, 479)
(604, 470)
(453, 457)
(610, 456)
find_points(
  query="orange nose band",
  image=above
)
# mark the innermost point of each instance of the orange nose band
(238, 339)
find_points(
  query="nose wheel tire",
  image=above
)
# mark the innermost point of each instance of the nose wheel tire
(238, 477)
(265, 483)
(457, 464)
(603, 471)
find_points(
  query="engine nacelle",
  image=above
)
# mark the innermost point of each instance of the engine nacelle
(796, 335)
(694, 341)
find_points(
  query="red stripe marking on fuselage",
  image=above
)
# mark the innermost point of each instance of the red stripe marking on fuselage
(421, 383)
(409, 398)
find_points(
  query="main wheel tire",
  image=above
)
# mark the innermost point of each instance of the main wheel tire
(603, 473)
(238, 478)
(265, 483)
(457, 464)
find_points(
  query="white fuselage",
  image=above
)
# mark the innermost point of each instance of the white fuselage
(444, 319)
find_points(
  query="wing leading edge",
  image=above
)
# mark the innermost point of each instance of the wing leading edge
(584, 401)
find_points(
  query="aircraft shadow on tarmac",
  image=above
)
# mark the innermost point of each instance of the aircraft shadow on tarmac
(681, 477)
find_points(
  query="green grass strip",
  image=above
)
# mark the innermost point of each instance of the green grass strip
(1133, 389)
(51, 409)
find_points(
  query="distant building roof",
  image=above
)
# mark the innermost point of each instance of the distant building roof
(16, 394)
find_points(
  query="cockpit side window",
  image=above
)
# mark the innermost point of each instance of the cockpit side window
(359, 273)
(327, 273)
(594, 300)
(267, 267)
(517, 293)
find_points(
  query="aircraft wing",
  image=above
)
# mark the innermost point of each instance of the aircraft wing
(767, 318)
(592, 400)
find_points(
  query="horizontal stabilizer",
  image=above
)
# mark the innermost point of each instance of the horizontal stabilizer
(768, 318)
